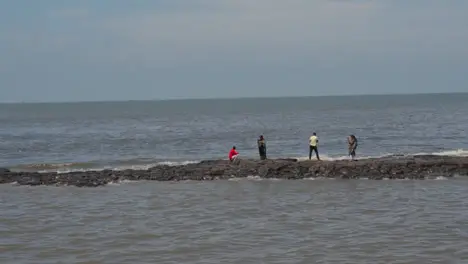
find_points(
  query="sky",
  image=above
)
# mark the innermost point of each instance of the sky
(88, 50)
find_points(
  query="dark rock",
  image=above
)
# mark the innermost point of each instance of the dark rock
(392, 167)
(30, 179)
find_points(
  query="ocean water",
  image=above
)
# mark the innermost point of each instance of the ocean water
(248, 220)
(139, 134)
(244, 221)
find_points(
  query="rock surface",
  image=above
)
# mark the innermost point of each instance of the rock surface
(410, 167)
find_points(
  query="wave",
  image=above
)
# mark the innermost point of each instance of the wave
(457, 153)
(453, 153)
(95, 166)
(333, 158)
(144, 164)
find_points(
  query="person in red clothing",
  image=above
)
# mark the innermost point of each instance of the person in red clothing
(233, 154)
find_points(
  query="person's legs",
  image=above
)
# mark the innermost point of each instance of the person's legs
(234, 158)
(353, 153)
(310, 152)
(262, 152)
(316, 153)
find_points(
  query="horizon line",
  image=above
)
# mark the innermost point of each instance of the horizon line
(230, 98)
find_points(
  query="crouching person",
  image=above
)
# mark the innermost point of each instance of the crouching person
(233, 154)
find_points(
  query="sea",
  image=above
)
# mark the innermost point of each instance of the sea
(249, 220)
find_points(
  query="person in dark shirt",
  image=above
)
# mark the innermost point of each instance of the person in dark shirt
(352, 145)
(262, 147)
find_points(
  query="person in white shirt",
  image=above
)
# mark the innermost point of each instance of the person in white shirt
(313, 146)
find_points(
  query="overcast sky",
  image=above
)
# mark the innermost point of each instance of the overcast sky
(59, 50)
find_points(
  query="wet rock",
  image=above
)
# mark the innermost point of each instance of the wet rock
(217, 172)
(395, 167)
(30, 179)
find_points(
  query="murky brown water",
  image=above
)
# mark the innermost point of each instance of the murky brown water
(245, 221)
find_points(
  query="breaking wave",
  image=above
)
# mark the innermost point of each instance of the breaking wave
(454, 153)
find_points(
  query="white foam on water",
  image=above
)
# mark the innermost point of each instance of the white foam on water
(120, 168)
(318, 179)
(151, 165)
(129, 181)
(72, 170)
(254, 178)
(46, 166)
(274, 179)
(113, 184)
(187, 181)
(177, 163)
(440, 178)
(455, 153)
(336, 158)
(235, 179)
(120, 182)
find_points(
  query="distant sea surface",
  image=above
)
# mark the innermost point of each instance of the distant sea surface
(250, 220)
(140, 134)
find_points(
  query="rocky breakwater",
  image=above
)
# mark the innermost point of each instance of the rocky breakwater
(403, 167)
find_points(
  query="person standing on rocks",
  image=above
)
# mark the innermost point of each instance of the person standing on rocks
(233, 154)
(262, 148)
(313, 146)
(352, 145)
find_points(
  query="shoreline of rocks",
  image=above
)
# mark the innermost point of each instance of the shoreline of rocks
(393, 167)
